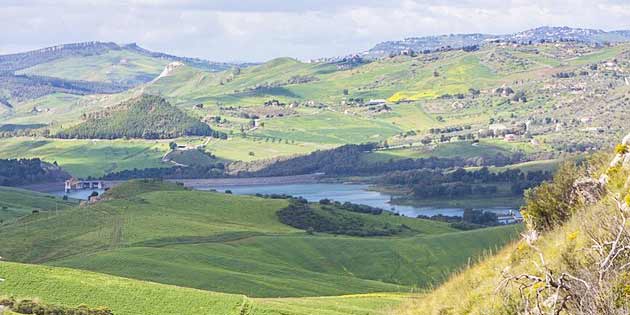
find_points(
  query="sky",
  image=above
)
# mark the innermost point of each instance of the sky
(259, 30)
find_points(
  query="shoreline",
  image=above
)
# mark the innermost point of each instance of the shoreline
(196, 183)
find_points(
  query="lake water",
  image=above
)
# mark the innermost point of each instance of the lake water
(79, 194)
(355, 193)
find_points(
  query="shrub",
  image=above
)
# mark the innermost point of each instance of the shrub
(37, 308)
(621, 149)
(552, 203)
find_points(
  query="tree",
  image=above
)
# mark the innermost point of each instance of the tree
(172, 145)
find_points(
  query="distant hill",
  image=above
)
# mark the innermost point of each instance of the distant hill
(19, 61)
(86, 68)
(148, 117)
(458, 41)
(18, 88)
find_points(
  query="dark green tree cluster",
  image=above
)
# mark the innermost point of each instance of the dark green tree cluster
(148, 117)
(177, 172)
(348, 160)
(328, 219)
(552, 203)
(16, 172)
(427, 183)
(352, 207)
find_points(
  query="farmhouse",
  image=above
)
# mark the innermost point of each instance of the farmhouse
(509, 218)
(75, 184)
(375, 102)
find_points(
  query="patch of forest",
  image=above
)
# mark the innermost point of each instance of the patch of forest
(16, 172)
(428, 183)
(336, 219)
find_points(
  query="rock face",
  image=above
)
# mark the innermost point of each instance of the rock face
(169, 69)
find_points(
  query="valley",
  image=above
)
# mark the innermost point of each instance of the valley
(420, 176)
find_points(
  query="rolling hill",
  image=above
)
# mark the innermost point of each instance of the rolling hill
(84, 69)
(543, 100)
(16, 203)
(71, 287)
(458, 41)
(236, 244)
(148, 117)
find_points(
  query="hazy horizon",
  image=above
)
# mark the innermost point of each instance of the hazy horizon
(261, 30)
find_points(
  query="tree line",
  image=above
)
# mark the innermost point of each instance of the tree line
(16, 172)
(428, 183)
(349, 160)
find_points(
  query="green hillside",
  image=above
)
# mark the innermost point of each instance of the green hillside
(148, 117)
(236, 244)
(583, 247)
(115, 66)
(71, 287)
(83, 158)
(16, 203)
(326, 104)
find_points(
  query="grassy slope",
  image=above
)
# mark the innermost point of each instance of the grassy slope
(70, 287)
(564, 248)
(113, 66)
(476, 288)
(73, 287)
(464, 149)
(270, 266)
(15, 203)
(236, 244)
(238, 148)
(84, 158)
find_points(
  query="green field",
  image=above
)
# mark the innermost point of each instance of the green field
(329, 128)
(236, 244)
(462, 149)
(71, 287)
(16, 203)
(239, 148)
(83, 158)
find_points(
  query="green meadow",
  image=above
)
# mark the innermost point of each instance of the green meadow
(83, 158)
(16, 203)
(164, 233)
(72, 287)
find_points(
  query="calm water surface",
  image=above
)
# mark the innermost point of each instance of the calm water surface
(355, 193)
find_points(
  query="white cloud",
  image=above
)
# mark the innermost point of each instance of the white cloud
(260, 30)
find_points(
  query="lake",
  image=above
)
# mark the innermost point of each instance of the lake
(355, 193)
